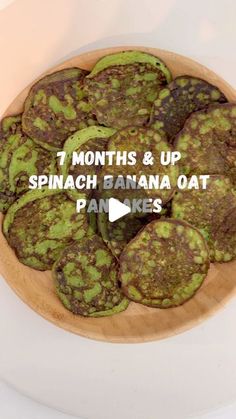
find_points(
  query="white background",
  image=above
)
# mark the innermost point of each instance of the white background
(198, 368)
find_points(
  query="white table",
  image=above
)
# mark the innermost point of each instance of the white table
(188, 374)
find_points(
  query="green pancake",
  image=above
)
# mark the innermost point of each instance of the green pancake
(178, 100)
(165, 264)
(20, 158)
(213, 212)
(88, 139)
(86, 279)
(141, 140)
(224, 231)
(208, 142)
(118, 233)
(122, 87)
(55, 107)
(40, 224)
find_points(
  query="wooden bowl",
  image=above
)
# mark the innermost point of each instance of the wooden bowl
(138, 323)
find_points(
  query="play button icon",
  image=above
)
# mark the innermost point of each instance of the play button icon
(117, 210)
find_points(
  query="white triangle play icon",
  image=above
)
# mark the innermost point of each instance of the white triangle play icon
(117, 209)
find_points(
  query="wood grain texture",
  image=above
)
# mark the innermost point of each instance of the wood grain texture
(137, 323)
